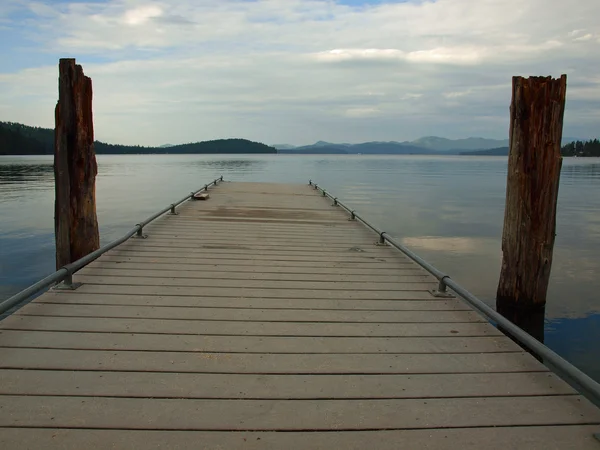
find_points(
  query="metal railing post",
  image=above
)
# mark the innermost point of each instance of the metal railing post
(67, 283)
(140, 232)
(442, 290)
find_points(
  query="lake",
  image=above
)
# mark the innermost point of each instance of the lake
(448, 209)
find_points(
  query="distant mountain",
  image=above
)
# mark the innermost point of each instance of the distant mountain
(283, 146)
(367, 148)
(573, 148)
(468, 144)
(166, 146)
(501, 151)
(19, 139)
(445, 145)
(389, 148)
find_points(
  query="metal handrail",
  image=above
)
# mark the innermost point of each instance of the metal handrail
(65, 273)
(575, 377)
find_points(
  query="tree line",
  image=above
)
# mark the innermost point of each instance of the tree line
(581, 148)
(19, 139)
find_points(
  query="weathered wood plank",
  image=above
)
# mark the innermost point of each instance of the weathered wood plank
(261, 239)
(61, 359)
(249, 314)
(167, 271)
(360, 258)
(184, 247)
(405, 283)
(530, 438)
(432, 304)
(420, 294)
(273, 239)
(258, 221)
(244, 415)
(339, 230)
(251, 344)
(251, 386)
(147, 259)
(239, 328)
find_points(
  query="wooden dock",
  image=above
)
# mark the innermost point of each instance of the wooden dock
(264, 318)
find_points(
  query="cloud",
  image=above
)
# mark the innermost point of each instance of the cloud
(301, 70)
(141, 15)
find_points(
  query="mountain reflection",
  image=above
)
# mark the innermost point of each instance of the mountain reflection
(230, 164)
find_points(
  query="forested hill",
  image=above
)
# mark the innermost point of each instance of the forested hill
(18, 139)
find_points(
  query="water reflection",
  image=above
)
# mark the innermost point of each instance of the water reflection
(231, 164)
(26, 173)
(581, 171)
(575, 339)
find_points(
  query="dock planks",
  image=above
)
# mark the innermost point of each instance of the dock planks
(263, 318)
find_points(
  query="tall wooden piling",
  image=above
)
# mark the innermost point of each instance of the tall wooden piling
(75, 169)
(534, 163)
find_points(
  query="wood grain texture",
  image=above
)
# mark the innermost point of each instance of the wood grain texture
(282, 387)
(265, 415)
(172, 301)
(245, 328)
(534, 165)
(530, 438)
(249, 314)
(160, 361)
(75, 168)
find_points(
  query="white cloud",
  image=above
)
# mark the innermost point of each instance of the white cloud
(302, 70)
(142, 14)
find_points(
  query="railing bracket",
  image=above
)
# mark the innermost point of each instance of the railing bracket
(67, 284)
(440, 294)
(172, 212)
(66, 287)
(381, 242)
(442, 290)
(140, 233)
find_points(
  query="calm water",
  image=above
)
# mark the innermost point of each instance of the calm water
(449, 209)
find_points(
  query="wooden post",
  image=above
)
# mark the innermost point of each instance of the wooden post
(534, 163)
(75, 169)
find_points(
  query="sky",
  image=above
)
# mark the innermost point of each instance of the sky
(298, 71)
